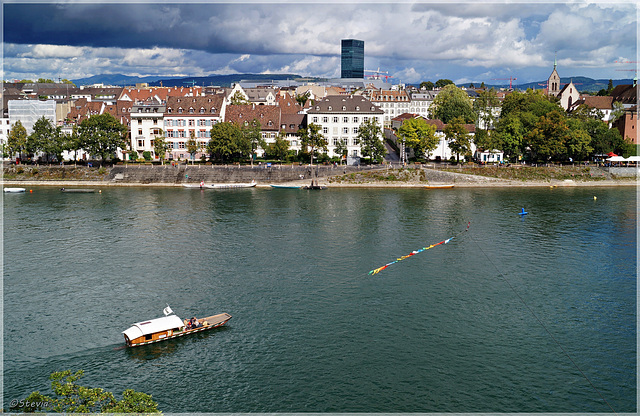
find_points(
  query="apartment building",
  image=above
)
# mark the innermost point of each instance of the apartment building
(392, 102)
(191, 116)
(340, 117)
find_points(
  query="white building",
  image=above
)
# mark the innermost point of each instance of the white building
(339, 118)
(392, 103)
(187, 116)
(29, 111)
(147, 122)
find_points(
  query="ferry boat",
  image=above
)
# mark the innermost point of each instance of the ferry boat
(168, 327)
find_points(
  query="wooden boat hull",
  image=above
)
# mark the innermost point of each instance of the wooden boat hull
(286, 186)
(445, 186)
(78, 190)
(214, 321)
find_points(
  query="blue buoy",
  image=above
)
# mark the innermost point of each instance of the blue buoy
(523, 213)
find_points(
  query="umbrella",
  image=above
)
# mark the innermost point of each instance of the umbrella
(633, 159)
(611, 154)
(617, 159)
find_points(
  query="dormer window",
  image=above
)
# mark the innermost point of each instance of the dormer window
(169, 110)
(330, 108)
(201, 110)
(357, 108)
(191, 110)
(213, 110)
(180, 110)
(317, 108)
(344, 108)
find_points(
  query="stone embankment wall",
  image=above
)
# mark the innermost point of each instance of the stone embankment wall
(624, 172)
(178, 174)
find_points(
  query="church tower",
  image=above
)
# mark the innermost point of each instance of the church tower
(553, 84)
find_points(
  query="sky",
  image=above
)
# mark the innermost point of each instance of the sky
(411, 41)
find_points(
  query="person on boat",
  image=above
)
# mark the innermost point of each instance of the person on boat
(195, 323)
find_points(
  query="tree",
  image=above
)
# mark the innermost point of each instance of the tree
(45, 138)
(73, 398)
(617, 111)
(312, 139)
(419, 135)
(239, 99)
(341, 148)
(192, 145)
(578, 143)
(280, 148)
(458, 137)
(441, 83)
(426, 85)
(72, 142)
(483, 107)
(509, 136)
(370, 135)
(251, 138)
(102, 135)
(161, 146)
(452, 102)
(17, 139)
(224, 137)
(302, 98)
(549, 137)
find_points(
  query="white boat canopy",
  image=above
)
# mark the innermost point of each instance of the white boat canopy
(154, 325)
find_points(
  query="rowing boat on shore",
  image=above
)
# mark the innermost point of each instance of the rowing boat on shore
(443, 186)
(168, 327)
(287, 186)
(78, 190)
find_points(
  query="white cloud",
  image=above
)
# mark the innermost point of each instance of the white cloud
(54, 51)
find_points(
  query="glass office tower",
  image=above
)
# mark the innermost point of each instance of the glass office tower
(352, 58)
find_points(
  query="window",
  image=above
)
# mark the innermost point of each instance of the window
(139, 132)
(325, 130)
(335, 119)
(191, 110)
(336, 141)
(345, 130)
(357, 108)
(140, 143)
(344, 108)
(345, 119)
(330, 108)
(180, 110)
(181, 144)
(325, 119)
(365, 119)
(355, 130)
(139, 121)
(355, 119)
(191, 123)
(315, 119)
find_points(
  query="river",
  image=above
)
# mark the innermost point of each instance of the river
(533, 314)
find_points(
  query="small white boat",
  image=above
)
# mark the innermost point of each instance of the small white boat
(15, 190)
(168, 327)
(230, 185)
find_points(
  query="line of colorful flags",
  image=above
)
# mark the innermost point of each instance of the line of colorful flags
(413, 253)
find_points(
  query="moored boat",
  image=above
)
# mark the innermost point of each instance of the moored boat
(15, 190)
(78, 190)
(230, 185)
(443, 186)
(168, 327)
(287, 186)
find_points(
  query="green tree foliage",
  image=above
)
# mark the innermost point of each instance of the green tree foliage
(251, 138)
(161, 146)
(371, 144)
(578, 144)
(192, 145)
(239, 99)
(224, 138)
(549, 137)
(312, 139)
(451, 102)
(45, 138)
(341, 148)
(302, 98)
(441, 83)
(483, 107)
(419, 135)
(617, 111)
(458, 137)
(427, 85)
(509, 136)
(71, 397)
(17, 139)
(278, 149)
(102, 135)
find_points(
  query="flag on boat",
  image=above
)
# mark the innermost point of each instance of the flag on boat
(413, 253)
(167, 311)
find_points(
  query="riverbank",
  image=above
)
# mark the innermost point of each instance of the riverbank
(330, 176)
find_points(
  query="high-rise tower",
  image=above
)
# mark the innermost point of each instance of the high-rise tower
(352, 58)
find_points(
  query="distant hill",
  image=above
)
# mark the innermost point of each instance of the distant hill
(216, 80)
(583, 84)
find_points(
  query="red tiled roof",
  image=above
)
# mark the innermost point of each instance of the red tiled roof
(267, 115)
